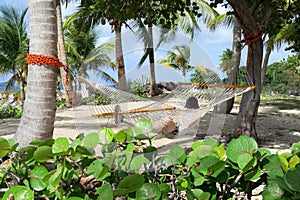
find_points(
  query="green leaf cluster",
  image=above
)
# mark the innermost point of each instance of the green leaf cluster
(108, 165)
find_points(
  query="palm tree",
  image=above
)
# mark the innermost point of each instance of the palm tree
(14, 46)
(64, 71)
(37, 121)
(229, 64)
(179, 59)
(187, 23)
(83, 54)
(91, 17)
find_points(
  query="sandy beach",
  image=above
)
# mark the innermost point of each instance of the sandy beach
(277, 128)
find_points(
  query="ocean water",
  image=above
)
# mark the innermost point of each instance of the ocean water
(2, 87)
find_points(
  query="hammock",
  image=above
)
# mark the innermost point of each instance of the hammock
(179, 111)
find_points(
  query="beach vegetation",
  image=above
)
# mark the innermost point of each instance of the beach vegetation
(128, 166)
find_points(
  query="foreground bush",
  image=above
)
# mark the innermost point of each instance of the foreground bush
(124, 165)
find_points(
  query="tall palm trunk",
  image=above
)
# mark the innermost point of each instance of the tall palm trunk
(66, 80)
(22, 86)
(119, 55)
(183, 75)
(38, 117)
(153, 85)
(265, 64)
(227, 106)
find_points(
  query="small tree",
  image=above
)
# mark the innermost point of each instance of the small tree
(14, 46)
(179, 59)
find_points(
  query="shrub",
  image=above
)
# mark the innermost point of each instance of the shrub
(10, 111)
(129, 167)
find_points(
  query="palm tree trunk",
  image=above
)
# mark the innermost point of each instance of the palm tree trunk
(64, 72)
(119, 56)
(153, 85)
(183, 75)
(227, 106)
(38, 117)
(236, 59)
(22, 90)
(265, 64)
(21, 80)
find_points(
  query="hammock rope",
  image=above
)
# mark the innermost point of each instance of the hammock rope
(169, 111)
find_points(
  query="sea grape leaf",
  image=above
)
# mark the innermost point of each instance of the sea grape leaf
(143, 126)
(221, 152)
(292, 178)
(40, 143)
(130, 183)
(164, 188)
(61, 145)
(137, 162)
(207, 163)
(149, 191)
(295, 148)
(198, 178)
(272, 191)
(43, 154)
(246, 161)
(199, 194)
(294, 161)
(283, 163)
(97, 169)
(26, 153)
(239, 146)
(121, 136)
(106, 136)
(91, 140)
(105, 192)
(211, 142)
(253, 174)
(84, 151)
(4, 147)
(36, 177)
(55, 178)
(272, 165)
(19, 192)
(177, 153)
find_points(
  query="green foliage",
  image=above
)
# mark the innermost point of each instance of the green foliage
(283, 76)
(128, 166)
(98, 99)
(10, 111)
(204, 75)
(140, 86)
(62, 103)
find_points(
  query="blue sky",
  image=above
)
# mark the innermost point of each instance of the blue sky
(206, 48)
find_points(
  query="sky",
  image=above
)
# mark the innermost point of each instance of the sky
(206, 48)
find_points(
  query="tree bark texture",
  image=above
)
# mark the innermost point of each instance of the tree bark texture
(64, 72)
(38, 117)
(153, 85)
(246, 121)
(122, 84)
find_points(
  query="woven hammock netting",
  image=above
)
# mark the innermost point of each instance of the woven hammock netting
(177, 110)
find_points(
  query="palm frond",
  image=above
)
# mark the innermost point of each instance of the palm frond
(10, 82)
(144, 57)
